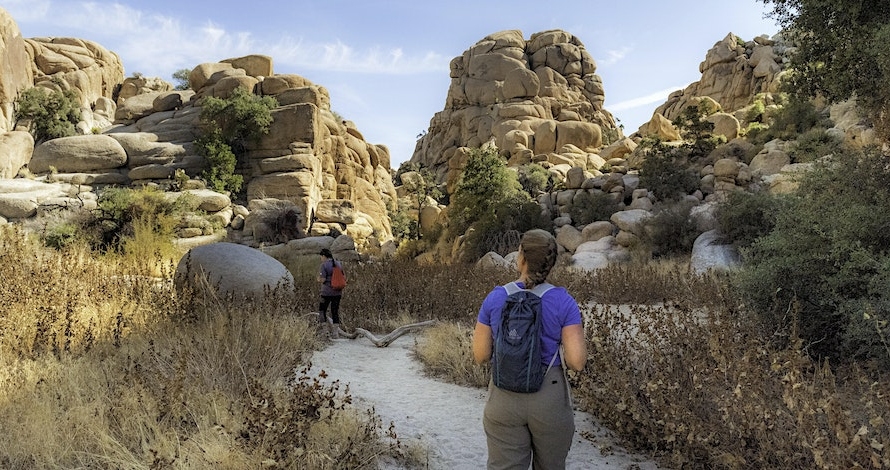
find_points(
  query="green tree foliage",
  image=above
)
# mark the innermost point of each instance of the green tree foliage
(501, 232)
(824, 269)
(534, 178)
(121, 210)
(671, 171)
(52, 114)
(843, 49)
(421, 190)
(671, 231)
(743, 217)
(590, 207)
(485, 183)
(181, 77)
(228, 125)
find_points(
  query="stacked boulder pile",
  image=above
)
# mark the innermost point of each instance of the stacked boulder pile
(540, 101)
(140, 132)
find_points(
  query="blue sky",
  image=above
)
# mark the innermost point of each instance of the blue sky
(385, 63)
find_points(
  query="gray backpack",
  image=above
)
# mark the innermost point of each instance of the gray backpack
(516, 360)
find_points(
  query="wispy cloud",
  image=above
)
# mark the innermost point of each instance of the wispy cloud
(613, 56)
(651, 98)
(156, 44)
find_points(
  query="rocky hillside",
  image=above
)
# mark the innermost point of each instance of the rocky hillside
(139, 132)
(538, 100)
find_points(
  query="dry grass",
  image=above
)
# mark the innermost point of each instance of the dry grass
(679, 371)
(446, 353)
(101, 366)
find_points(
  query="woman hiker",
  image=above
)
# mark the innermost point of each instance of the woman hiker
(329, 295)
(537, 427)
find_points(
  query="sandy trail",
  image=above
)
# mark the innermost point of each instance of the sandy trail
(446, 418)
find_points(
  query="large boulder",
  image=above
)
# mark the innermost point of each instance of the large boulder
(79, 64)
(15, 68)
(530, 98)
(710, 252)
(16, 149)
(231, 269)
(79, 153)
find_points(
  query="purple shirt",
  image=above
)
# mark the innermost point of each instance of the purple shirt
(326, 270)
(559, 310)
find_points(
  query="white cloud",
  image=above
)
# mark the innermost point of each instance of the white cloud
(27, 10)
(655, 97)
(614, 56)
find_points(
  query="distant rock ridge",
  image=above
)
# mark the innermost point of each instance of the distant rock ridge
(734, 73)
(531, 98)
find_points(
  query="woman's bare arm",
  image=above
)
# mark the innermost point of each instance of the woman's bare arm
(481, 343)
(574, 346)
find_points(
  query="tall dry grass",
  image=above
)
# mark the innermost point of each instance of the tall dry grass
(102, 366)
(681, 371)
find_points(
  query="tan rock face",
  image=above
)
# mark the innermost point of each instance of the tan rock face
(531, 98)
(79, 64)
(15, 68)
(733, 72)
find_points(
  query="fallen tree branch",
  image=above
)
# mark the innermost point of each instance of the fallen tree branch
(385, 341)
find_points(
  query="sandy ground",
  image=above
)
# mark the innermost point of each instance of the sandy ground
(445, 418)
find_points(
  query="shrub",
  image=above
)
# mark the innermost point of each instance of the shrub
(484, 184)
(825, 261)
(125, 214)
(794, 117)
(671, 230)
(501, 232)
(534, 179)
(743, 217)
(590, 207)
(181, 77)
(446, 352)
(813, 144)
(52, 114)
(228, 126)
(666, 172)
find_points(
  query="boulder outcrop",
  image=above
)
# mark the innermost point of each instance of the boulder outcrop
(15, 68)
(537, 100)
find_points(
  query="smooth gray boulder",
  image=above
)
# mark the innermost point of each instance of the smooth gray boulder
(709, 252)
(230, 268)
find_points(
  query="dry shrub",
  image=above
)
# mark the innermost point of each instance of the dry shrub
(708, 389)
(379, 291)
(102, 366)
(446, 353)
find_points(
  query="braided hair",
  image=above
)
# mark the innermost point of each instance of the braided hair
(539, 249)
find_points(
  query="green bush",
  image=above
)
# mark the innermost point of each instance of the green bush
(534, 178)
(813, 144)
(670, 231)
(228, 126)
(124, 212)
(591, 207)
(666, 172)
(826, 261)
(221, 161)
(744, 217)
(52, 114)
(793, 118)
(485, 183)
(501, 232)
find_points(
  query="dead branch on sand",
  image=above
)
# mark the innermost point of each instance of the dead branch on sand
(385, 340)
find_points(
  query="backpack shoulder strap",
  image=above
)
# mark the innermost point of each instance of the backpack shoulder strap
(539, 290)
(512, 288)
(542, 289)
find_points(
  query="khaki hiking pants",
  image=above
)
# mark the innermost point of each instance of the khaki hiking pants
(523, 428)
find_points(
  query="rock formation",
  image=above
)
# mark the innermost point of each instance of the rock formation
(538, 101)
(15, 69)
(139, 132)
(734, 72)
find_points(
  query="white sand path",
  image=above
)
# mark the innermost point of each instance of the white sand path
(446, 418)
